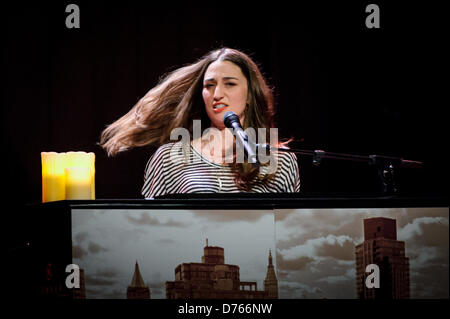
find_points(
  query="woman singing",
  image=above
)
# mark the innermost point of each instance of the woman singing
(223, 80)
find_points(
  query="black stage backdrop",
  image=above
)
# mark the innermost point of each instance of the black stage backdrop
(339, 86)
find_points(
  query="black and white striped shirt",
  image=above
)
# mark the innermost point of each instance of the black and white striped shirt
(179, 168)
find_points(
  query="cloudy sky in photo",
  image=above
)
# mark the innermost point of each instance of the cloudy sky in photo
(316, 256)
(107, 243)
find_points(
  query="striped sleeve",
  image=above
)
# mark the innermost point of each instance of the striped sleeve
(291, 173)
(154, 176)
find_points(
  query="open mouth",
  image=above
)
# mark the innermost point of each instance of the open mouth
(219, 107)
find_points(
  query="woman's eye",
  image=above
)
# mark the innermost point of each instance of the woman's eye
(207, 85)
(230, 84)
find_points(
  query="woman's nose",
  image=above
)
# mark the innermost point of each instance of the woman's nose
(218, 93)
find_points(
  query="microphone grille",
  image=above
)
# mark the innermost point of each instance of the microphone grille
(230, 117)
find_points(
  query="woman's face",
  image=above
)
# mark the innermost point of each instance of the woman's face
(225, 88)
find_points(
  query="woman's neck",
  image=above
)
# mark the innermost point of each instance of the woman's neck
(215, 144)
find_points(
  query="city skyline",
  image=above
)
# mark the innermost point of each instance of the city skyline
(315, 250)
(313, 255)
(108, 243)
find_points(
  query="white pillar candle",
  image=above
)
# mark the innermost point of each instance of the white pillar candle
(80, 175)
(78, 183)
(53, 176)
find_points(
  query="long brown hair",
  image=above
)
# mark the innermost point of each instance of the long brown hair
(177, 100)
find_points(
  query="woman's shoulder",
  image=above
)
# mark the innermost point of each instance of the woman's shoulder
(287, 163)
(289, 171)
(166, 149)
(280, 163)
(170, 153)
(287, 158)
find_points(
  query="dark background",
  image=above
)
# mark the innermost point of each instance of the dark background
(339, 86)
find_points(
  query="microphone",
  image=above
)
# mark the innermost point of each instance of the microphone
(231, 121)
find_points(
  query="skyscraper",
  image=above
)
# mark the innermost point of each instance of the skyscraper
(381, 247)
(138, 289)
(271, 281)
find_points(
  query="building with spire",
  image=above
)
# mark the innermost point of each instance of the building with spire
(213, 279)
(381, 247)
(271, 281)
(138, 289)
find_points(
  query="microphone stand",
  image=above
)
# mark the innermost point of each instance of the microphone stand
(386, 165)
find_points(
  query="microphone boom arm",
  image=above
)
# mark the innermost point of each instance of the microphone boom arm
(386, 165)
